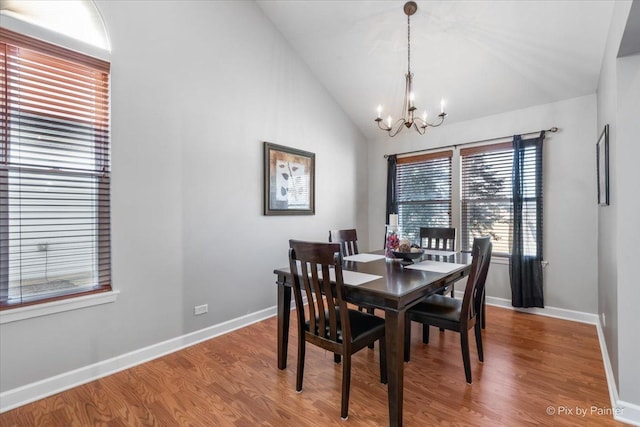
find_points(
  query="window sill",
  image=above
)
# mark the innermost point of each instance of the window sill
(37, 310)
(500, 259)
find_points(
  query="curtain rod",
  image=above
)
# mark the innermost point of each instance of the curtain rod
(552, 129)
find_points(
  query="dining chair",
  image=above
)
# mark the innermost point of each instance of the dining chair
(348, 240)
(328, 322)
(438, 238)
(455, 314)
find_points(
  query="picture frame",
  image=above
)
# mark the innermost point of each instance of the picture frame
(602, 161)
(289, 180)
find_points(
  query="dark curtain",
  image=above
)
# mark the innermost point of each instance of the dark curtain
(525, 270)
(392, 206)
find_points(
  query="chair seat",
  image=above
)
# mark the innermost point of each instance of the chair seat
(362, 324)
(439, 307)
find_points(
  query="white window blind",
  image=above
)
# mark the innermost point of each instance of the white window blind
(423, 193)
(54, 172)
(486, 196)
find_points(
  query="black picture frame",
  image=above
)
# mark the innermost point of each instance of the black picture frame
(602, 162)
(289, 181)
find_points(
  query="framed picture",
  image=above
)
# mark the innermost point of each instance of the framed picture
(289, 181)
(602, 160)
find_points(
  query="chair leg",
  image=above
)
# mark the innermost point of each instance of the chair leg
(383, 360)
(425, 333)
(300, 371)
(482, 314)
(453, 286)
(478, 330)
(346, 382)
(407, 339)
(370, 310)
(336, 358)
(464, 343)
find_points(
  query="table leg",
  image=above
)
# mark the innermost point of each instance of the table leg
(394, 336)
(284, 313)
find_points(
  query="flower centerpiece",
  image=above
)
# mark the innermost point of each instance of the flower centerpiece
(392, 242)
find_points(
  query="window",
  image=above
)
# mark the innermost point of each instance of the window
(486, 196)
(54, 172)
(419, 189)
(423, 193)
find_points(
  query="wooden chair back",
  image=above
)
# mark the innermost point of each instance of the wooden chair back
(438, 238)
(314, 266)
(348, 240)
(474, 292)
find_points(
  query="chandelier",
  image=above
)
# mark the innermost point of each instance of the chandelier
(408, 118)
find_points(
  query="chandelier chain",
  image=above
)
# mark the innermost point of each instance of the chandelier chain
(409, 44)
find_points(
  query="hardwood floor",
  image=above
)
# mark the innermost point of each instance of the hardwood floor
(533, 365)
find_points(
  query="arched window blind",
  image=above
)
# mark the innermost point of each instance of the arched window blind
(423, 193)
(54, 172)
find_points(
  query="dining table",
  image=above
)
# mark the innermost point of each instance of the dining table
(392, 285)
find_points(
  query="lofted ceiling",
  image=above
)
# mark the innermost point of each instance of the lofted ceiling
(482, 57)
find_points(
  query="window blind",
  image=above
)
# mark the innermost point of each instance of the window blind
(486, 196)
(54, 172)
(423, 193)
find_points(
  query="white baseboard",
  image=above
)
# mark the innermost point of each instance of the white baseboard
(559, 313)
(624, 411)
(11, 399)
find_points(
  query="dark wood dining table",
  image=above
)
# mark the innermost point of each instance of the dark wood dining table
(397, 289)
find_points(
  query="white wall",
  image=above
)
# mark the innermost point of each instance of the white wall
(195, 90)
(628, 176)
(569, 192)
(608, 225)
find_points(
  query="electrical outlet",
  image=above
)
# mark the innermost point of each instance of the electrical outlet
(200, 309)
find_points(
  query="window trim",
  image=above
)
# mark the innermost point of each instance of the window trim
(75, 302)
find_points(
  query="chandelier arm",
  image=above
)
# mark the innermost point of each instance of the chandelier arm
(397, 127)
(385, 128)
(420, 129)
(426, 124)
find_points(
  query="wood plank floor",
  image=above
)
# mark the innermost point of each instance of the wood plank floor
(532, 363)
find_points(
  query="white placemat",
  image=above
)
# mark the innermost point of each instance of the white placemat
(437, 252)
(353, 278)
(363, 257)
(435, 266)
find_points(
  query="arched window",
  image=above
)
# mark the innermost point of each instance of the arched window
(54, 165)
(77, 19)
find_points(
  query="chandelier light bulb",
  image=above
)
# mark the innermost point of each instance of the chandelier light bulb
(389, 121)
(379, 110)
